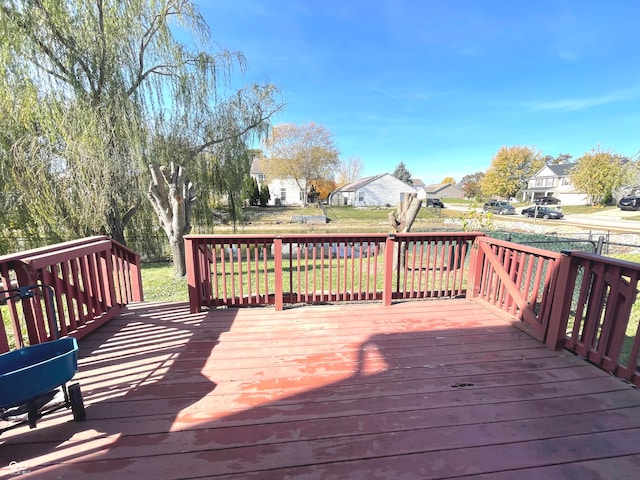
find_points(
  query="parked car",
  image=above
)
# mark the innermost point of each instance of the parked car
(434, 202)
(500, 207)
(629, 203)
(542, 212)
(546, 201)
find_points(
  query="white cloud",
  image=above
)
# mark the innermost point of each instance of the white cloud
(572, 104)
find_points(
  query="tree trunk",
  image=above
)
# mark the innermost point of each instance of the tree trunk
(401, 220)
(172, 194)
(117, 224)
(178, 257)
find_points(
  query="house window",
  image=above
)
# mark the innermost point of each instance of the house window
(360, 197)
(566, 181)
(283, 194)
(261, 177)
(548, 182)
(538, 182)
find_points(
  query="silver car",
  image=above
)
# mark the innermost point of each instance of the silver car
(499, 207)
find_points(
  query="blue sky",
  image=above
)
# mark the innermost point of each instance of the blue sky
(442, 85)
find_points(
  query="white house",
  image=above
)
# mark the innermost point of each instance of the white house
(553, 180)
(284, 191)
(377, 191)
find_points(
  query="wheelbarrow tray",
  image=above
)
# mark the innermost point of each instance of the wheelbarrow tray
(29, 372)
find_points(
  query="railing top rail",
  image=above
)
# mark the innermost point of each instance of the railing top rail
(123, 247)
(356, 237)
(625, 264)
(66, 254)
(301, 237)
(469, 235)
(230, 238)
(52, 248)
(521, 248)
(243, 238)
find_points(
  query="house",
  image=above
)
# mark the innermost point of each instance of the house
(443, 190)
(377, 191)
(553, 180)
(284, 191)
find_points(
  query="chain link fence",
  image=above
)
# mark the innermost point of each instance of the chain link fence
(624, 246)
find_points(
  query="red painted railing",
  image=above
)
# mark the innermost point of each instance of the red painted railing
(432, 265)
(517, 279)
(595, 299)
(242, 270)
(92, 280)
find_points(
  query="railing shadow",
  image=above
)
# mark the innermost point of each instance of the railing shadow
(149, 352)
(312, 408)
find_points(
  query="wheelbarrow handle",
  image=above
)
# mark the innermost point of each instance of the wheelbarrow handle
(27, 292)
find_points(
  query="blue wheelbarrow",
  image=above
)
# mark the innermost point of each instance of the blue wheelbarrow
(33, 379)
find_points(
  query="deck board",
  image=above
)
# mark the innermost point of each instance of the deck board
(426, 389)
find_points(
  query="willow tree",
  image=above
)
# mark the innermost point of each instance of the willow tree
(87, 85)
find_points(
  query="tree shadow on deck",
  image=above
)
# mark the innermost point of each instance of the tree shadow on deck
(146, 360)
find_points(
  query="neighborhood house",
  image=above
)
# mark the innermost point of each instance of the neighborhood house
(554, 181)
(377, 191)
(442, 190)
(284, 191)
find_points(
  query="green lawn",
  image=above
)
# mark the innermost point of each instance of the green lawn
(159, 284)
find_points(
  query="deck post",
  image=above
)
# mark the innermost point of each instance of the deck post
(560, 304)
(136, 280)
(475, 269)
(389, 253)
(25, 276)
(277, 258)
(193, 276)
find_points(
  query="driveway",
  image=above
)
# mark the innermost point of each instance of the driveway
(608, 219)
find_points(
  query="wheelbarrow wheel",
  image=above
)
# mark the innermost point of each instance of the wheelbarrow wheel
(77, 404)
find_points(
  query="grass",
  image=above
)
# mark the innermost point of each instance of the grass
(160, 285)
(344, 219)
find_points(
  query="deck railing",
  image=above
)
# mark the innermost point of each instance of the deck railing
(595, 301)
(575, 300)
(517, 279)
(92, 280)
(242, 270)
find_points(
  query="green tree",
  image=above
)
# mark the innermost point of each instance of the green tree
(265, 195)
(93, 91)
(471, 185)
(562, 158)
(598, 173)
(510, 171)
(307, 153)
(402, 173)
(250, 191)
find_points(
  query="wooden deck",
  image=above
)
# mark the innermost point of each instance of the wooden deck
(417, 390)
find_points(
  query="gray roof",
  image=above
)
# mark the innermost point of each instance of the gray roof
(353, 186)
(561, 169)
(257, 165)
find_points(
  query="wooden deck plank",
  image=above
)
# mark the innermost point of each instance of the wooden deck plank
(436, 389)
